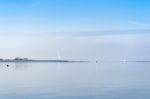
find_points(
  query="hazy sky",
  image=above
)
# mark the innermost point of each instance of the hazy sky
(37, 28)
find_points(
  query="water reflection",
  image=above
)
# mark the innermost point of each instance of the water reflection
(59, 67)
(75, 80)
(21, 65)
(14, 65)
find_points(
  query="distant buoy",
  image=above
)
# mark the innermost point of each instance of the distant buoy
(96, 61)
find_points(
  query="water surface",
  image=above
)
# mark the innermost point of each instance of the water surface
(103, 80)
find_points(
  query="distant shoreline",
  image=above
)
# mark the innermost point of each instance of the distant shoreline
(21, 60)
(35, 61)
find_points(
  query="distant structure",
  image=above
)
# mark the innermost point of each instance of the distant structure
(21, 59)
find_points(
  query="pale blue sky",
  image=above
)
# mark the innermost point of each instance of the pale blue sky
(28, 28)
(47, 16)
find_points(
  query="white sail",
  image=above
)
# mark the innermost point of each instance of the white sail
(58, 55)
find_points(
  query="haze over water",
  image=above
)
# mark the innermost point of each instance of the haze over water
(113, 35)
(105, 79)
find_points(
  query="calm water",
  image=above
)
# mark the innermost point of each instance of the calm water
(103, 80)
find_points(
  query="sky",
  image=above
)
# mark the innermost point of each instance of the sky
(37, 28)
(47, 16)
